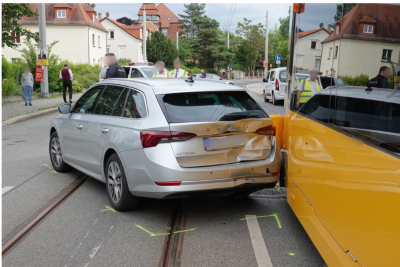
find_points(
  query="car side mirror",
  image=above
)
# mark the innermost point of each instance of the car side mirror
(64, 109)
(220, 79)
(265, 80)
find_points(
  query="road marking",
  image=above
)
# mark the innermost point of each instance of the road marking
(264, 216)
(153, 234)
(258, 243)
(109, 208)
(6, 189)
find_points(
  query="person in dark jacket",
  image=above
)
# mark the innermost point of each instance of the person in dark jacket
(114, 70)
(381, 81)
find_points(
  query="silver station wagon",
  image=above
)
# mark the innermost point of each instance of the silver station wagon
(164, 138)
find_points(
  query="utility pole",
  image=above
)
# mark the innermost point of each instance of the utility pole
(228, 39)
(44, 85)
(144, 35)
(397, 73)
(266, 47)
(177, 42)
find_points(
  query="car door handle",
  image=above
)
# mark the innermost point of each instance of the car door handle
(79, 126)
(104, 130)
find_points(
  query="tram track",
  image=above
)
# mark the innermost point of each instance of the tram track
(18, 235)
(173, 243)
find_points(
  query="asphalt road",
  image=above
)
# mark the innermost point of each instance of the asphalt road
(82, 231)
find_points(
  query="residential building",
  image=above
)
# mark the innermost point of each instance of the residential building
(362, 40)
(81, 37)
(124, 41)
(309, 48)
(161, 17)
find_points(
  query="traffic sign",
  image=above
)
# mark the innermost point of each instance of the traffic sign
(278, 57)
(265, 63)
(278, 62)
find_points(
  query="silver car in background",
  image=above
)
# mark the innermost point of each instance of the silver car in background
(164, 138)
(213, 77)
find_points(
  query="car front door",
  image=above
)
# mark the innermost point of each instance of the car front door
(98, 125)
(270, 84)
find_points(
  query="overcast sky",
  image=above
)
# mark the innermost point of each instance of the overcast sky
(220, 12)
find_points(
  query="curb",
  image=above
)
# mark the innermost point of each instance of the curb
(246, 87)
(29, 116)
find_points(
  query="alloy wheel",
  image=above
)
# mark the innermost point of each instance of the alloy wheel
(114, 181)
(56, 155)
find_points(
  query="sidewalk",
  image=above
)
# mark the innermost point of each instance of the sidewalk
(255, 87)
(14, 110)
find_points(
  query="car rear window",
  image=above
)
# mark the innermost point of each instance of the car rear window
(282, 76)
(206, 107)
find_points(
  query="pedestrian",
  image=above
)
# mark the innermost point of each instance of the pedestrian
(177, 72)
(66, 76)
(160, 66)
(223, 75)
(203, 75)
(42, 55)
(308, 88)
(381, 80)
(27, 85)
(114, 70)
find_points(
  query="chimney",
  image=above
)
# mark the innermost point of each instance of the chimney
(329, 28)
(99, 16)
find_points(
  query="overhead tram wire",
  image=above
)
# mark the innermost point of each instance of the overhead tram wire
(226, 27)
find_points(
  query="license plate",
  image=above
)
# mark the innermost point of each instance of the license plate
(225, 142)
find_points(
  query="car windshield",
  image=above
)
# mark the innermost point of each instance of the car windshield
(339, 81)
(205, 107)
(150, 71)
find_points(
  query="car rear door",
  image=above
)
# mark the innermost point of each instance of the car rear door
(98, 125)
(229, 127)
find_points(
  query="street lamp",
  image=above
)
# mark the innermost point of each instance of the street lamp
(144, 32)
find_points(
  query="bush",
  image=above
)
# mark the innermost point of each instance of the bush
(9, 87)
(77, 86)
(123, 61)
(358, 80)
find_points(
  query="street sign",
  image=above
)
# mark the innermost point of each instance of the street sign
(278, 62)
(265, 63)
(278, 57)
(39, 74)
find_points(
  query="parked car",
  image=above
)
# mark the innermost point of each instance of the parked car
(212, 76)
(275, 85)
(134, 70)
(164, 138)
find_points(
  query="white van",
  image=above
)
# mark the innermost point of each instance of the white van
(275, 85)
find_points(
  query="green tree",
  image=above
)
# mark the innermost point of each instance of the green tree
(185, 49)
(246, 55)
(93, 5)
(159, 47)
(190, 27)
(255, 34)
(343, 9)
(11, 14)
(210, 46)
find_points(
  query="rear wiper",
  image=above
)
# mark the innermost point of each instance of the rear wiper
(235, 116)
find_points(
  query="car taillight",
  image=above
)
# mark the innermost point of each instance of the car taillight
(167, 183)
(276, 84)
(275, 174)
(152, 138)
(269, 130)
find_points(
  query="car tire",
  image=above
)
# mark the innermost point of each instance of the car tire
(265, 97)
(55, 154)
(117, 186)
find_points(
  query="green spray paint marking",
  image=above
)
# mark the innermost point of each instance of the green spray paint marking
(273, 215)
(109, 208)
(279, 189)
(291, 254)
(53, 171)
(153, 234)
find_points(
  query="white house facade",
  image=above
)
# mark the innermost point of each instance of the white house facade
(123, 41)
(81, 37)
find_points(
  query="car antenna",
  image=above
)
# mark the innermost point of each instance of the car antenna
(189, 79)
(369, 88)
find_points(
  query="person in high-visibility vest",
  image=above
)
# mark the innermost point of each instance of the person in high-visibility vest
(160, 65)
(308, 88)
(177, 72)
